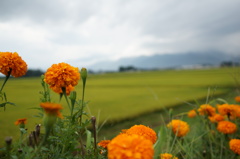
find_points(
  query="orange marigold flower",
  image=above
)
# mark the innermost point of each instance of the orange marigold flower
(104, 143)
(124, 130)
(192, 113)
(144, 131)
(216, 118)
(234, 145)
(207, 109)
(237, 98)
(225, 109)
(59, 90)
(52, 109)
(133, 146)
(12, 62)
(230, 110)
(61, 76)
(21, 121)
(226, 127)
(236, 109)
(167, 156)
(179, 128)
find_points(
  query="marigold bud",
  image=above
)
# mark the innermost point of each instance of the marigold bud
(73, 95)
(83, 74)
(8, 140)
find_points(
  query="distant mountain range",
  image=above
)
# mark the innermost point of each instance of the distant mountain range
(164, 61)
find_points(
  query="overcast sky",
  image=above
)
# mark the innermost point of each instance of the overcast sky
(85, 31)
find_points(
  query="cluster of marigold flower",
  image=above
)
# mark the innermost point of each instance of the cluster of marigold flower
(60, 77)
(121, 146)
(138, 141)
(135, 142)
(224, 116)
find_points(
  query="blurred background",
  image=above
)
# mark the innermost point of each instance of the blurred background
(104, 35)
(169, 53)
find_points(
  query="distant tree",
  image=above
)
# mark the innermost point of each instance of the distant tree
(91, 72)
(229, 64)
(127, 68)
(34, 73)
(121, 69)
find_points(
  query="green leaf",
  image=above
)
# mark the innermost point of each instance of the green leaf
(24, 131)
(44, 149)
(89, 134)
(4, 104)
(38, 108)
(14, 157)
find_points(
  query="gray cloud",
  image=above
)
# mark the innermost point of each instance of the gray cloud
(203, 16)
(40, 11)
(105, 29)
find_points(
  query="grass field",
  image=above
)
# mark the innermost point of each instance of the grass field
(116, 96)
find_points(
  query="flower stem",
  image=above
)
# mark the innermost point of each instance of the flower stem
(41, 144)
(72, 98)
(5, 81)
(8, 141)
(83, 92)
(65, 96)
(93, 120)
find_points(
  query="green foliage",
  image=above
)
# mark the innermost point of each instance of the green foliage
(60, 139)
(132, 94)
(3, 95)
(204, 139)
(75, 136)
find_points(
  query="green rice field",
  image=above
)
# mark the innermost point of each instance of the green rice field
(117, 96)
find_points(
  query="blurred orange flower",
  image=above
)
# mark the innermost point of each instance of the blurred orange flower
(52, 109)
(225, 109)
(236, 109)
(237, 98)
(167, 156)
(62, 75)
(21, 121)
(207, 109)
(192, 113)
(226, 127)
(230, 110)
(234, 145)
(216, 118)
(12, 63)
(179, 128)
(104, 143)
(144, 131)
(133, 146)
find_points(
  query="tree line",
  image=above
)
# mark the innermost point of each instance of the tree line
(38, 72)
(33, 73)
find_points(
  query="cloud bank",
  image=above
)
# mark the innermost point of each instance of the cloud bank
(84, 32)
